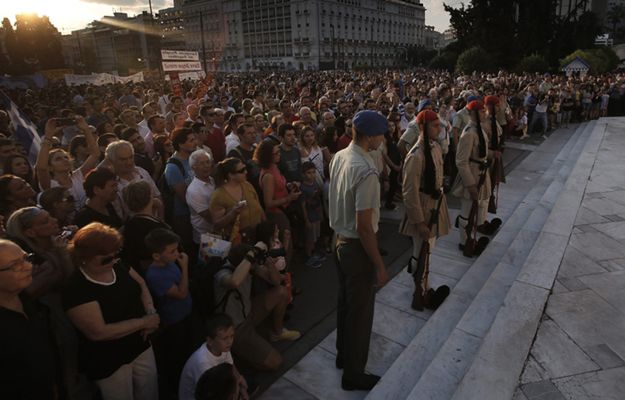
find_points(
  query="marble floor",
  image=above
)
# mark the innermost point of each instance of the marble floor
(579, 350)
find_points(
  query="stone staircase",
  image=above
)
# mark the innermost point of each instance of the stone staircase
(474, 346)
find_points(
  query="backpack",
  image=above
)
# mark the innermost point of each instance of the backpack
(167, 193)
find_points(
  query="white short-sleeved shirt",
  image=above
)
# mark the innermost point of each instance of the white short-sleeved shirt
(232, 141)
(354, 186)
(198, 199)
(200, 361)
(139, 175)
(77, 190)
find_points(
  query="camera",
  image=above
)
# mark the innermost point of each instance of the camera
(261, 255)
(65, 121)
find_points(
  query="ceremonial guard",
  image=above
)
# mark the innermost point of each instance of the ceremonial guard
(473, 184)
(494, 131)
(354, 215)
(426, 216)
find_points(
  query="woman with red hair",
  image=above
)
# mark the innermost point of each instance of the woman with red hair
(111, 307)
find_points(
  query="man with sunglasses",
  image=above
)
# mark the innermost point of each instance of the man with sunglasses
(28, 357)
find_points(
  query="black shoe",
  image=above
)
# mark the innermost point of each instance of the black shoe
(436, 297)
(362, 382)
(390, 206)
(481, 245)
(457, 223)
(383, 252)
(339, 362)
(489, 228)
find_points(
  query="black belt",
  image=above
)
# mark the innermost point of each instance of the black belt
(435, 195)
(484, 164)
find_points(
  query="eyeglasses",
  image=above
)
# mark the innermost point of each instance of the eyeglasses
(241, 171)
(110, 260)
(27, 258)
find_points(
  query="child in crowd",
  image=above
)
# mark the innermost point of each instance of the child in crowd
(216, 350)
(521, 123)
(312, 211)
(169, 284)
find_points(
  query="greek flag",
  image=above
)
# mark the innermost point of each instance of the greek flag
(25, 132)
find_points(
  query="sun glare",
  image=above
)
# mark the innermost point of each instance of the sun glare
(66, 15)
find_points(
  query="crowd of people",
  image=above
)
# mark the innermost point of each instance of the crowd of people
(106, 290)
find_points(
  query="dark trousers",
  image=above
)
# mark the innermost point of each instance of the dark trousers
(393, 185)
(172, 347)
(355, 305)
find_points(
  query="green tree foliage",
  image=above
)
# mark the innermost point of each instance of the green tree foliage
(511, 30)
(533, 63)
(614, 17)
(600, 60)
(475, 59)
(34, 44)
(446, 60)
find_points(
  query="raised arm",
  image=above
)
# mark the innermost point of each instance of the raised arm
(41, 166)
(92, 146)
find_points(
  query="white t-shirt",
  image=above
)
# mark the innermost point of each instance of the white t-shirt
(198, 198)
(199, 362)
(232, 141)
(77, 190)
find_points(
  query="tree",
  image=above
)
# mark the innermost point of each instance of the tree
(475, 59)
(33, 45)
(615, 16)
(600, 60)
(511, 30)
(533, 63)
(446, 60)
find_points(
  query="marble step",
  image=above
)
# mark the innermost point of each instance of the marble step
(498, 363)
(440, 379)
(403, 374)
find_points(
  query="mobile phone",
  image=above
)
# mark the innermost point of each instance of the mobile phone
(65, 121)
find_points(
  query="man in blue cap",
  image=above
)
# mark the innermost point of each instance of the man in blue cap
(354, 215)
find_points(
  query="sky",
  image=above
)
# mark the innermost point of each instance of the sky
(69, 15)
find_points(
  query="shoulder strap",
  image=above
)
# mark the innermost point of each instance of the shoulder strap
(177, 163)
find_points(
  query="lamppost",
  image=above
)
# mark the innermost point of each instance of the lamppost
(332, 42)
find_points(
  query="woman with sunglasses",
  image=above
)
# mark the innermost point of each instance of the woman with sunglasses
(59, 203)
(111, 307)
(234, 199)
(28, 348)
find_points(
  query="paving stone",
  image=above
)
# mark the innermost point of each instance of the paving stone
(558, 354)
(558, 288)
(610, 286)
(598, 246)
(613, 265)
(604, 206)
(518, 395)
(603, 355)
(535, 389)
(601, 385)
(587, 216)
(572, 284)
(615, 218)
(394, 324)
(615, 230)
(575, 263)
(533, 371)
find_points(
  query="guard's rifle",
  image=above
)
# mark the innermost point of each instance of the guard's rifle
(471, 227)
(421, 295)
(497, 176)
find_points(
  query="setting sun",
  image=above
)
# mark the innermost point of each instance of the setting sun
(65, 15)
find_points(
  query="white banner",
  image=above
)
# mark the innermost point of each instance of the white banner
(180, 55)
(180, 66)
(194, 76)
(101, 79)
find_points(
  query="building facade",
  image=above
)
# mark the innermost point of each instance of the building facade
(117, 44)
(244, 35)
